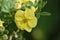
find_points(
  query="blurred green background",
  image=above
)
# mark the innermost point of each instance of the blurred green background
(49, 24)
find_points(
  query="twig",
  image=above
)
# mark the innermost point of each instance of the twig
(10, 38)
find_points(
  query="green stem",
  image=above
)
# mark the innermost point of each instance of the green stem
(10, 37)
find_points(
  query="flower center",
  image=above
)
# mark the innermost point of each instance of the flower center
(25, 20)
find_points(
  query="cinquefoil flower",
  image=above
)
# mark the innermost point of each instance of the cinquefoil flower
(19, 3)
(26, 20)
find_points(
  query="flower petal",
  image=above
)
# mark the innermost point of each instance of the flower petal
(29, 14)
(33, 22)
(24, 26)
(27, 28)
(17, 5)
(20, 25)
(34, 9)
(19, 15)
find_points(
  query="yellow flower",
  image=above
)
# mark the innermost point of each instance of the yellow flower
(33, 8)
(26, 20)
(1, 23)
(17, 6)
(18, 3)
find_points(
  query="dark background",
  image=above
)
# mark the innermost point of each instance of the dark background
(50, 24)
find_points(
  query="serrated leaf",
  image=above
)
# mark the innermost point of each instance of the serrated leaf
(45, 13)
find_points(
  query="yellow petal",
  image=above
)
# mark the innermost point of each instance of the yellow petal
(17, 6)
(33, 22)
(27, 28)
(34, 9)
(24, 26)
(29, 14)
(20, 25)
(19, 15)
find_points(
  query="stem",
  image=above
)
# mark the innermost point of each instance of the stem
(10, 38)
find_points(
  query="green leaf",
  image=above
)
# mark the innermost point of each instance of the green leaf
(6, 18)
(38, 15)
(42, 4)
(45, 13)
(5, 9)
(29, 4)
(7, 5)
